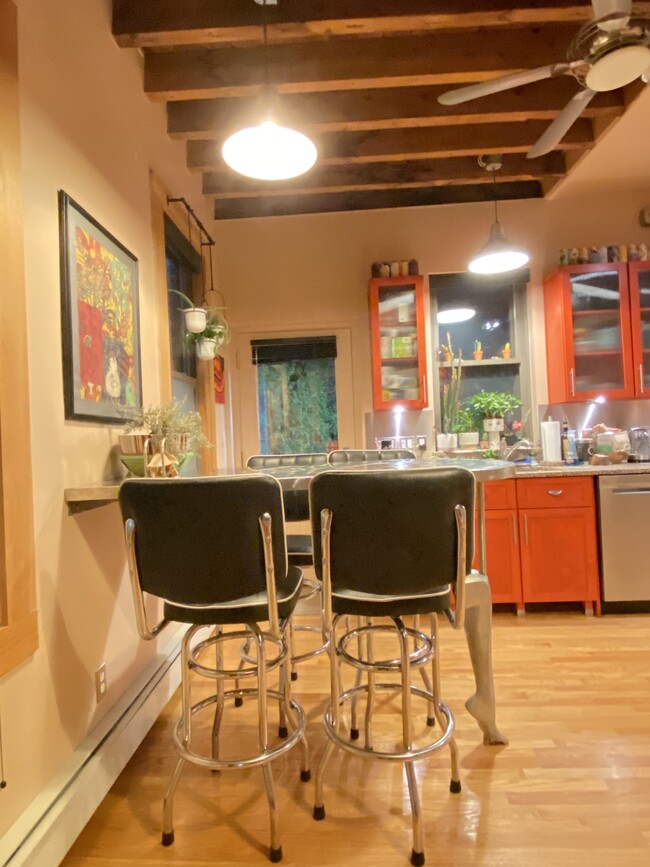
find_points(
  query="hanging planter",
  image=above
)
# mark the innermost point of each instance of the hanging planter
(206, 349)
(195, 319)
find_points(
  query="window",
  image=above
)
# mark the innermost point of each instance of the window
(296, 394)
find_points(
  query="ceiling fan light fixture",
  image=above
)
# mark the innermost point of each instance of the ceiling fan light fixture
(269, 152)
(618, 68)
(499, 255)
(455, 314)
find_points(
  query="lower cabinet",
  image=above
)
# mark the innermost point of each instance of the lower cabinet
(541, 541)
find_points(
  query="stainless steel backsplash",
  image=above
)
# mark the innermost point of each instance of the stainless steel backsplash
(615, 413)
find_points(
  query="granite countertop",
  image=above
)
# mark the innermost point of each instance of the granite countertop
(544, 470)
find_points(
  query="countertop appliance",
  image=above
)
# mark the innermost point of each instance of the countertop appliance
(624, 523)
(639, 443)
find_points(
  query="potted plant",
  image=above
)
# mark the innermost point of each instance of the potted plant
(506, 352)
(478, 350)
(492, 406)
(207, 330)
(159, 439)
(208, 341)
(467, 427)
(451, 395)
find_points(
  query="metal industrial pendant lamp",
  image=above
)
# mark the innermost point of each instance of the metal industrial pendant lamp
(268, 151)
(498, 255)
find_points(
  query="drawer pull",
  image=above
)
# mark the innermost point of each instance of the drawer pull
(556, 493)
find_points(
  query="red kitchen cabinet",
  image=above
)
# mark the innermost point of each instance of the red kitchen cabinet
(399, 308)
(558, 542)
(639, 280)
(590, 319)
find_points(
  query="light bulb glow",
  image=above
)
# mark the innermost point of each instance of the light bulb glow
(269, 152)
(456, 314)
(498, 255)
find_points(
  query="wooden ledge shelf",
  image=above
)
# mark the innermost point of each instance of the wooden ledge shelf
(84, 498)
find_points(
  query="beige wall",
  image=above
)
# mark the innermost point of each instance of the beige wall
(87, 128)
(313, 270)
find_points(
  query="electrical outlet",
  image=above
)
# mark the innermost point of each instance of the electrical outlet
(100, 682)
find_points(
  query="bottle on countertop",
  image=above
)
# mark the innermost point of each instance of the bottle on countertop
(564, 440)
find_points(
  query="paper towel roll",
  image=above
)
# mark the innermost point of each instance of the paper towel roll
(551, 448)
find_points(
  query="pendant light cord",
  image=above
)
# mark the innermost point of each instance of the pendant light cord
(265, 48)
(494, 193)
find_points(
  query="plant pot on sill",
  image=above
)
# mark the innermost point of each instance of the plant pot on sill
(206, 349)
(196, 319)
(506, 353)
(448, 356)
(478, 355)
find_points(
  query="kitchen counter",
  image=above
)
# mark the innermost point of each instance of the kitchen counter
(533, 471)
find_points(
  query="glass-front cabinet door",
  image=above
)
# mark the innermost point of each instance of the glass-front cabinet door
(639, 273)
(397, 320)
(599, 353)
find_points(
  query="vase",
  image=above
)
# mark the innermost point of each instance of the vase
(195, 319)
(206, 349)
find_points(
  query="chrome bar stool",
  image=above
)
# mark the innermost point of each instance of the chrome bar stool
(299, 546)
(340, 457)
(388, 545)
(213, 550)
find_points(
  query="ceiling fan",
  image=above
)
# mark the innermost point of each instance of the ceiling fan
(609, 52)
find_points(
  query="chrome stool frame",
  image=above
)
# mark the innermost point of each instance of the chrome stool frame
(416, 650)
(192, 663)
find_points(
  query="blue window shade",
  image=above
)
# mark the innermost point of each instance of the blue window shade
(292, 349)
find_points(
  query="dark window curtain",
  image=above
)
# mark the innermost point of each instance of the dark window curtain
(292, 349)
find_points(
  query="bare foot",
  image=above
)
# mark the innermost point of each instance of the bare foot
(484, 716)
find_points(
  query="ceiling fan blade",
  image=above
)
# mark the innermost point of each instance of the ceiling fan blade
(505, 82)
(556, 131)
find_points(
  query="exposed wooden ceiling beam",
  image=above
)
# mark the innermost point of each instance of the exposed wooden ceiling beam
(392, 108)
(268, 206)
(385, 176)
(398, 145)
(168, 22)
(401, 61)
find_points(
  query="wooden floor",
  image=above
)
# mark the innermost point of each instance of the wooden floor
(573, 787)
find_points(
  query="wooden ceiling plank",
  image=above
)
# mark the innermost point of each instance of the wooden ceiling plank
(393, 108)
(402, 61)
(168, 22)
(413, 174)
(398, 145)
(228, 209)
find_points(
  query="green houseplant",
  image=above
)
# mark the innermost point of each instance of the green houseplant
(207, 329)
(451, 388)
(167, 432)
(493, 404)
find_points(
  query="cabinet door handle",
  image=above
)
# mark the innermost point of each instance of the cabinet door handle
(556, 493)
(641, 378)
(572, 377)
(424, 387)
(525, 528)
(514, 530)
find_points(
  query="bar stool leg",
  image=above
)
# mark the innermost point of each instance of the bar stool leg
(244, 651)
(275, 852)
(431, 712)
(455, 784)
(371, 690)
(417, 854)
(354, 725)
(335, 707)
(285, 689)
(294, 673)
(168, 804)
(218, 711)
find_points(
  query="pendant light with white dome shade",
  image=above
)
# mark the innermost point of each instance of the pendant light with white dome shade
(269, 151)
(499, 255)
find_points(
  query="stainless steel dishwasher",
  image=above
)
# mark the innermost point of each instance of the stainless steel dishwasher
(625, 537)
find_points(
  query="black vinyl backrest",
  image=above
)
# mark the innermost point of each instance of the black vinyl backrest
(393, 531)
(265, 462)
(198, 541)
(360, 456)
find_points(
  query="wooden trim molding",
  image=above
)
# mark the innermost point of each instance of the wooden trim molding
(18, 621)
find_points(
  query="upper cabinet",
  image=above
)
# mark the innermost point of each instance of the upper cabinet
(598, 331)
(398, 315)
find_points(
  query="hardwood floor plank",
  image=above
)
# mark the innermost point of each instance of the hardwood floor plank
(572, 789)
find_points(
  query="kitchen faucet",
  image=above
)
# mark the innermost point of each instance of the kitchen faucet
(506, 452)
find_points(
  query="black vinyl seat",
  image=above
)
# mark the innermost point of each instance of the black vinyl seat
(213, 549)
(340, 457)
(390, 544)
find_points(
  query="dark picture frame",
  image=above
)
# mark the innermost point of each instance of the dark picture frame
(100, 320)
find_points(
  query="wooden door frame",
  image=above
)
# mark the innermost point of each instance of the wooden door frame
(345, 391)
(18, 616)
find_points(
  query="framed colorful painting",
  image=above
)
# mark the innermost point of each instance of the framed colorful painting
(102, 378)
